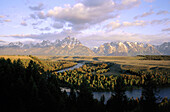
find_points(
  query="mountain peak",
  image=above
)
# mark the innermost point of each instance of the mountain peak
(125, 49)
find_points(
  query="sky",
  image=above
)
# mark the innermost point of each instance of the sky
(93, 22)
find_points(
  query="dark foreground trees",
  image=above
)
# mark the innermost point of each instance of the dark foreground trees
(118, 100)
(29, 89)
(149, 92)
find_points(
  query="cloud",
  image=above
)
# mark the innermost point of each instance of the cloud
(144, 14)
(41, 15)
(42, 29)
(23, 23)
(166, 29)
(135, 23)
(127, 4)
(116, 24)
(7, 20)
(113, 25)
(94, 3)
(1, 16)
(46, 36)
(85, 13)
(150, 1)
(34, 16)
(80, 14)
(38, 15)
(37, 23)
(45, 29)
(162, 13)
(57, 25)
(98, 38)
(165, 21)
(37, 8)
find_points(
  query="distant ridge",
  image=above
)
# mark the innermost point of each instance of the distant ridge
(73, 47)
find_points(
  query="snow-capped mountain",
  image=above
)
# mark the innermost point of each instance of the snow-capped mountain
(72, 46)
(164, 48)
(67, 46)
(15, 44)
(126, 49)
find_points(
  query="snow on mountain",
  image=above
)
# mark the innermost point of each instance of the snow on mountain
(72, 46)
(126, 49)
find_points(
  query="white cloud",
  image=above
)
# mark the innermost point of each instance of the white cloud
(85, 13)
(113, 25)
(135, 23)
(80, 14)
(145, 14)
(127, 2)
(116, 24)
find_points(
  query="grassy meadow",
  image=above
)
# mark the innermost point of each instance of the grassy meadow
(121, 62)
(139, 63)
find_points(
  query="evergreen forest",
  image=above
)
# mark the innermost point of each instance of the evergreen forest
(33, 88)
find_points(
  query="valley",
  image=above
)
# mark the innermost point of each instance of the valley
(104, 67)
(100, 77)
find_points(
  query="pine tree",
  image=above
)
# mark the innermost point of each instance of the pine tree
(149, 92)
(118, 99)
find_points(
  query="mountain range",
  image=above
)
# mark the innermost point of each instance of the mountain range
(72, 46)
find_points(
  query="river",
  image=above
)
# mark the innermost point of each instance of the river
(136, 93)
(72, 68)
(164, 92)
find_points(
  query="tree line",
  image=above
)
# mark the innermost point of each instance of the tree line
(32, 89)
(93, 73)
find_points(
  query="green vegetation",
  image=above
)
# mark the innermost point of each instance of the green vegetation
(53, 65)
(101, 76)
(155, 57)
(32, 89)
(93, 73)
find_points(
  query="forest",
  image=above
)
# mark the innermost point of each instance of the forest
(93, 74)
(31, 88)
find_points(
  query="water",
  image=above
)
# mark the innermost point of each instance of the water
(72, 68)
(136, 93)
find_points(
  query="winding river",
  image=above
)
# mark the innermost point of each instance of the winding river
(72, 68)
(164, 92)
